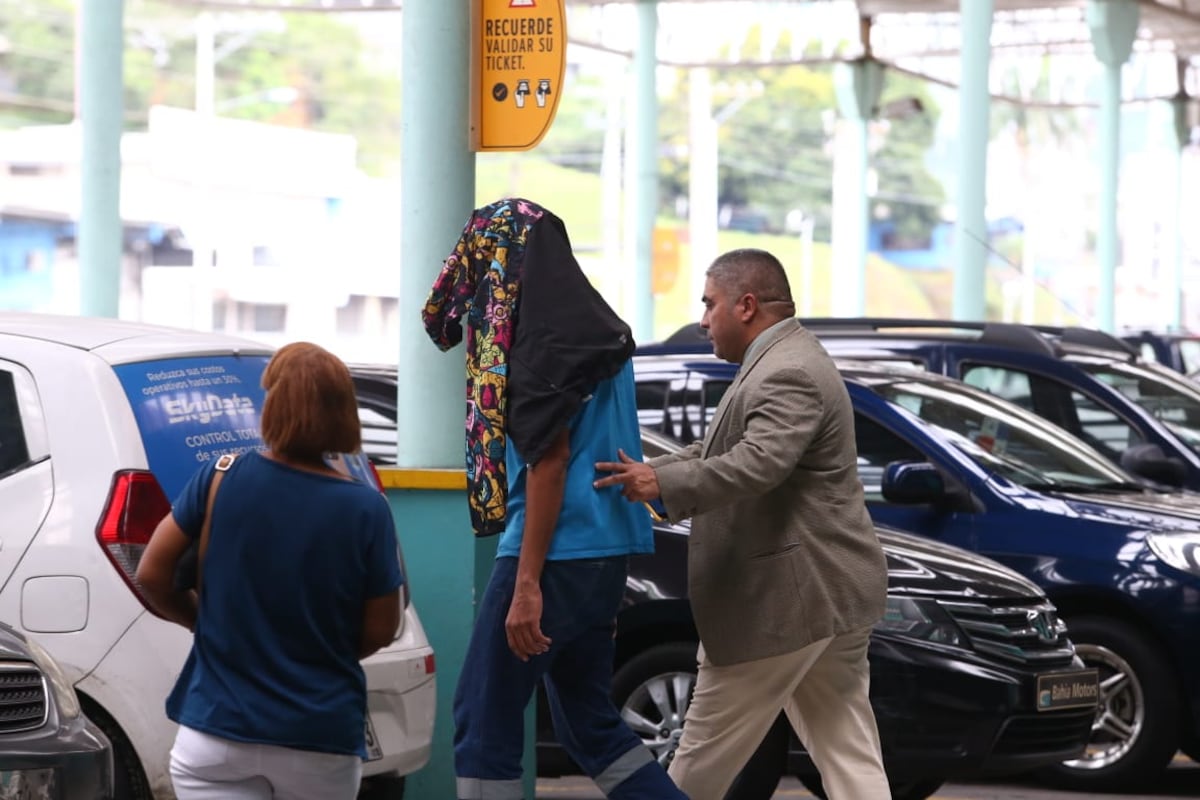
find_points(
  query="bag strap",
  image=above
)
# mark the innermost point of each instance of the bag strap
(222, 466)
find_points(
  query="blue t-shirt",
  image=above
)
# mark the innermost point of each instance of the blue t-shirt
(292, 558)
(593, 523)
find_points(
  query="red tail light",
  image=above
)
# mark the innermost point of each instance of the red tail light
(135, 506)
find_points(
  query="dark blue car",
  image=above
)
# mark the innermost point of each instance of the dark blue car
(1140, 415)
(947, 461)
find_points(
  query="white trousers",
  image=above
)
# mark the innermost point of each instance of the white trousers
(823, 688)
(205, 767)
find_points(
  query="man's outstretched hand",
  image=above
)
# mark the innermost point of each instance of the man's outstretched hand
(637, 479)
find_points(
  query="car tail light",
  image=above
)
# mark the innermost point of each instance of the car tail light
(136, 504)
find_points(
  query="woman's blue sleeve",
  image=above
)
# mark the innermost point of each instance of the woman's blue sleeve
(189, 507)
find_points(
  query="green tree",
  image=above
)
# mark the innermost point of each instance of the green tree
(908, 194)
(340, 89)
(37, 59)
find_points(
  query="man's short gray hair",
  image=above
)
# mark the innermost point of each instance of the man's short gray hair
(751, 271)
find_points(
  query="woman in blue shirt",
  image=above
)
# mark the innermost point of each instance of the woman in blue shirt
(300, 579)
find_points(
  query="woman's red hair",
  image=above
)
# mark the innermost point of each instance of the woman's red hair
(311, 407)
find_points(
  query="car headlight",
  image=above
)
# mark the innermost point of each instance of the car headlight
(1179, 550)
(923, 619)
(64, 693)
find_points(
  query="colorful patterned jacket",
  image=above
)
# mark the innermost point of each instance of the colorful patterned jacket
(539, 339)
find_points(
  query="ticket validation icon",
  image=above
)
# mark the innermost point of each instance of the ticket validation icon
(543, 91)
(521, 93)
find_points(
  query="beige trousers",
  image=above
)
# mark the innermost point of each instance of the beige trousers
(824, 690)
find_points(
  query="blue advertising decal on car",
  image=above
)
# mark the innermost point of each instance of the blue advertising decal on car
(192, 410)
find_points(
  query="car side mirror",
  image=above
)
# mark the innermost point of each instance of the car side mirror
(1148, 460)
(912, 483)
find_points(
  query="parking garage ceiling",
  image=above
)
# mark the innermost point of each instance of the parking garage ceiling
(903, 30)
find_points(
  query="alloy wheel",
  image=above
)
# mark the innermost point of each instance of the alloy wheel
(1120, 714)
(656, 709)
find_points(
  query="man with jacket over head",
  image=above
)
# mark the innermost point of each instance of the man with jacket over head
(785, 573)
(549, 391)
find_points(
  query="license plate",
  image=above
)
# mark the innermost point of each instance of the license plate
(374, 751)
(27, 784)
(1080, 689)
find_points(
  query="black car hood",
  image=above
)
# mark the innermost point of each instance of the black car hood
(917, 567)
(927, 568)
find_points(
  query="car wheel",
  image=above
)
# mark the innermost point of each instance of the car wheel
(1136, 729)
(652, 691)
(129, 781)
(905, 790)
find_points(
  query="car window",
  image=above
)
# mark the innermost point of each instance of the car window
(1009, 384)
(878, 447)
(1189, 353)
(1074, 411)
(652, 406)
(14, 451)
(679, 406)
(1172, 400)
(379, 434)
(1004, 440)
(1147, 352)
(1102, 428)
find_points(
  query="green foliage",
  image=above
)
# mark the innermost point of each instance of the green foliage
(37, 65)
(908, 194)
(773, 148)
(316, 54)
(575, 196)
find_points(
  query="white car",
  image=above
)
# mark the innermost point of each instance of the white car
(101, 423)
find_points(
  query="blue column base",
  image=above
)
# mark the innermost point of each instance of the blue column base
(448, 569)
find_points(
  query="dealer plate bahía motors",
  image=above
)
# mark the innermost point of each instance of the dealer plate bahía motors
(1078, 689)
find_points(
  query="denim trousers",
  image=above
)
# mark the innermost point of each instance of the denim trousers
(580, 598)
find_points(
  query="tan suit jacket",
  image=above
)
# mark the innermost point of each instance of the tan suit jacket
(782, 551)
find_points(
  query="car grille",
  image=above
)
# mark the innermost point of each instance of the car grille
(22, 697)
(1047, 732)
(1021, 633)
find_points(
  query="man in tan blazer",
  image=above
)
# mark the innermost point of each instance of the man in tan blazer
(785, 573)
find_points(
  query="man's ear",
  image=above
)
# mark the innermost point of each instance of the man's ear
(747, 307)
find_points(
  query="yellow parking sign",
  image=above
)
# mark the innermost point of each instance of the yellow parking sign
(519, 57)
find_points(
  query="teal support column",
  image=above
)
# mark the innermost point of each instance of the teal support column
(643, 195)
(974, 97)
(446, 564)
(857, 85)
(1173, 261)
(1113, 24)
(101, 109)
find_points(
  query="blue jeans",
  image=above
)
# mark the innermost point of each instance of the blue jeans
(579, 608)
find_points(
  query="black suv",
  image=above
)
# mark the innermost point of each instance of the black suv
(963, 666)
(48, 748)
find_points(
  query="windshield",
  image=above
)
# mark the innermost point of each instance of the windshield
(1004, 439)
(1172, 399)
